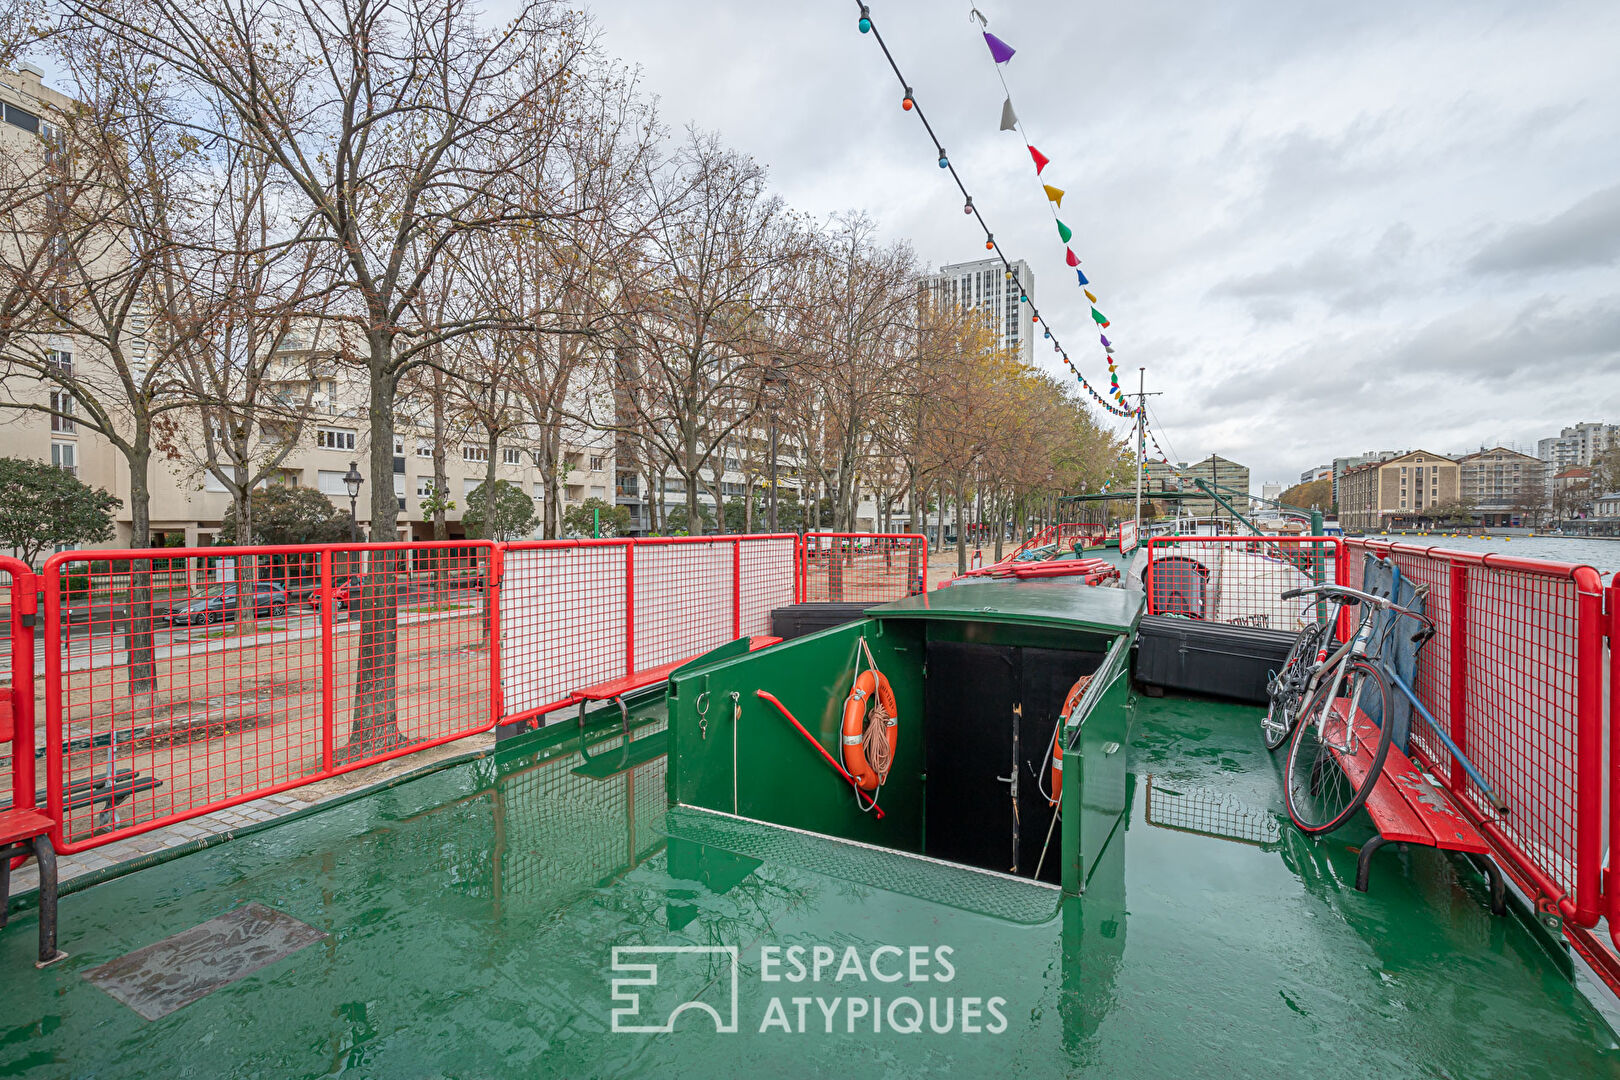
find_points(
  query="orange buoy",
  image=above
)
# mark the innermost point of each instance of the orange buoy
(869, 775)
(1076, 692)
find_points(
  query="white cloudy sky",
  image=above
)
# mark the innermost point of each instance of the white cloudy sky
(1323, 228)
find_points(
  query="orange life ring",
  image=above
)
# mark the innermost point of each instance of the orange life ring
(866, 777)
(1076, 692)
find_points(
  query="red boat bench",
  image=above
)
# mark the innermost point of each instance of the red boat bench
(27, 832)
(615, 689)
(1407, 809)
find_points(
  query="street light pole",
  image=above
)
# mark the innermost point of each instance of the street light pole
(772, 381)
(352, 480)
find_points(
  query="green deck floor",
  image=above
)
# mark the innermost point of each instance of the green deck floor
(471, 915)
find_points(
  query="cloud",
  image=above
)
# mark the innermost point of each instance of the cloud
(1587, 234)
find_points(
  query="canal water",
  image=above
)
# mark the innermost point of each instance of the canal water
(1600, 554)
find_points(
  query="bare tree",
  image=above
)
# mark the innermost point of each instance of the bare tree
(689, 372)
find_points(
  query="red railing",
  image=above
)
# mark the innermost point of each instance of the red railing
(1515, 675)
(17, 692)
(291, 665)
(581, 612)
(862, 567)
(1240, 579)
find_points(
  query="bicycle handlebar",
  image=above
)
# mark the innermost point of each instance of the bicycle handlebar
(1354, 596)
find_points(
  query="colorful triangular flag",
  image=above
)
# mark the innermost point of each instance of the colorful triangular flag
(1000, 51)
(1089, 296)
(1103, 338)
(1064, 232)
(1069, 257)
(1040, 160)
(1009, 119)
(1099, 318)
(1081, 274)
(1055, 194)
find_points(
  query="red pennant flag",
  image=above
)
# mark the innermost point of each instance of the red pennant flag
(1040, 160)
(1068, 257)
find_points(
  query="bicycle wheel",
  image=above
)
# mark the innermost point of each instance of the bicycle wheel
(1287, 686)
(1337, 753)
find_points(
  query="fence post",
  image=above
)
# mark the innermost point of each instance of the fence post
(24, 604)
(328, 664)
(1612, 883)
(629, 606)
(496, 571)
(736, 589)
(1589, 744)
(52, 578)
(1457, 664)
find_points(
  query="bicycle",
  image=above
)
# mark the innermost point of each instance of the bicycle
(1338, 750)
(1285, 688)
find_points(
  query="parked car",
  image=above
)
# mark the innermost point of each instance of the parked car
(340, 593)
(218, 603)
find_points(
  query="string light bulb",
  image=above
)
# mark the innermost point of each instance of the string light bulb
(967, 207)
(944, 162)
(989, 241)
(866, 19)
(906, 102)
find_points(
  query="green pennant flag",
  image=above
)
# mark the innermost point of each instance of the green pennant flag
(1098, 317)
(1064, 232)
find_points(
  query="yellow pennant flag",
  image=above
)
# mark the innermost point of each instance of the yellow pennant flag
(1055, 194)
(1090, 297)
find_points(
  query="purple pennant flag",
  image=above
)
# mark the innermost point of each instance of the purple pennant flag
(1105, 340)
(1000, 51)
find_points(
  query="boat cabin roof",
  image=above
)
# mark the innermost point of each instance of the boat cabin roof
(1061, 604)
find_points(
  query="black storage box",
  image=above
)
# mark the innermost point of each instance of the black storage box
(1209, 658)
(797, 620)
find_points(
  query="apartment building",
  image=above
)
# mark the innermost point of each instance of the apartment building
(1576, 446)
(1399, 493)
(983, 285)
(1315, 473)
(1227, 477)
(1505, 487)
(1341, 464)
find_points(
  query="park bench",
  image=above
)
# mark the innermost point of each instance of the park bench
(1406, 808)
(96, 789)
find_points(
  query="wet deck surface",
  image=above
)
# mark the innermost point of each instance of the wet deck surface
(463, 925)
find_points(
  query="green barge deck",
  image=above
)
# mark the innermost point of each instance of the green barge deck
(464, 925)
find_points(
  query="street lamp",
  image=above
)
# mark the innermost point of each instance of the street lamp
(352, 480)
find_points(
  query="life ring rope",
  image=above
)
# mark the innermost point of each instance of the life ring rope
(869, 737)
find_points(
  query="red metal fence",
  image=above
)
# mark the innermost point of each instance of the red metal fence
(580, 612)
(290, 665)
(1515, 673)
(862, 567)
(17, 688)
(1240, 579)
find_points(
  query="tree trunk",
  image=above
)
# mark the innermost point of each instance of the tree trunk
(141, 662)
(961, 530)
(374, 727)
(441, 492)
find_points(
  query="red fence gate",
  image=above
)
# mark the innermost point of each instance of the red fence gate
(20, 588)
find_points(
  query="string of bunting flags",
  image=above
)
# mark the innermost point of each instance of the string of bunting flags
(910, 103)
(1000, 54)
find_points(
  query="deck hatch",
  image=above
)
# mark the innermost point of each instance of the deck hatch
(164, 976)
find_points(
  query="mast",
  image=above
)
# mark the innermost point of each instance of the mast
(1141, 443)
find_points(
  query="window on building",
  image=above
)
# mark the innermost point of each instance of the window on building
(331, 438)
(330, 482)
(61, 360)
(65, 456)
(21, 118)
(424, 448)
(62, 413)
(596, 463)
(534, 456)
(511, 455)
(474, 453)
(424, 487)
(399, 446)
